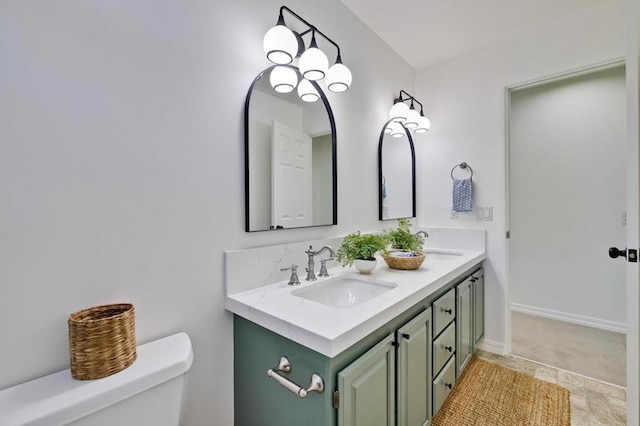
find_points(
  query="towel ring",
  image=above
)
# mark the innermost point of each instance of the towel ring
(463, 166)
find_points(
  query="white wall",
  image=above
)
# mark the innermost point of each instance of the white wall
(567, 189)
(465, 99)
(121, 168)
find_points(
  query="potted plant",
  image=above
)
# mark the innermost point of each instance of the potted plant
(406, 247)
(359, 250)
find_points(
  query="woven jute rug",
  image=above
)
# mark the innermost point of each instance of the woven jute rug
(492, 395)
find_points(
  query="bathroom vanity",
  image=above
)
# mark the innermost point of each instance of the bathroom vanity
(388, 358)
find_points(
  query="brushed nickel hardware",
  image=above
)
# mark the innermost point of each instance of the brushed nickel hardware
(336, 399)
(323, 267)
(284, 366)
(311, 273)
(293, 280)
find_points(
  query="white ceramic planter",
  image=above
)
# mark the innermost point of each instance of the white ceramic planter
(365, 266)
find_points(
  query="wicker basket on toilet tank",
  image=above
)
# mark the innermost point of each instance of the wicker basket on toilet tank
(102, 341)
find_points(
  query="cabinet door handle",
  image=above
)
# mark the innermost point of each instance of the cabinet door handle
(449, 311)
(406, 336)
(449, 348)
(448, 385)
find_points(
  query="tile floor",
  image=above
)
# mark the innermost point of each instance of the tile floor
(592, 402)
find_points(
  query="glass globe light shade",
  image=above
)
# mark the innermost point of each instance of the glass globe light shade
(338, 78)
(280, 45)
(307, 92)
(388, 128)
(313, 64)
(397, 131)
(283, 79)
(423, 125)
(412, 119)
(399, 112)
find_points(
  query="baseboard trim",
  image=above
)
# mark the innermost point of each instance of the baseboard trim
(572, 318)
(491, 346)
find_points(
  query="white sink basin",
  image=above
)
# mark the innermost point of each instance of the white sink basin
(441, 256)
(344, 291)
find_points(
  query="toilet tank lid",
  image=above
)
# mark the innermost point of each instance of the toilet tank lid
(58, 399)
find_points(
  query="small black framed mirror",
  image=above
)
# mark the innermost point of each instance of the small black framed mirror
(290, 157)
(396, 172)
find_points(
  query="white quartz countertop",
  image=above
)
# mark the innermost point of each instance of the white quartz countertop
(329, 330)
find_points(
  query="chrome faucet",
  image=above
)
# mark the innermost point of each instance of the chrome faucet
(311, 274)
(424, 233)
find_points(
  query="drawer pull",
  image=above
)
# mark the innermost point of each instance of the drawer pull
(406, 336)
(448, 385)
(449, 348)
(449, 311)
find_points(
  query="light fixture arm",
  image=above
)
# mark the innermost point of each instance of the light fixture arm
(312, 29)
(409, 97)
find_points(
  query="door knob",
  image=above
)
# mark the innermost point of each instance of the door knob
(615, 252)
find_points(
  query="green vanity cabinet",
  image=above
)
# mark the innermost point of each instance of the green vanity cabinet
(414, 371)
(390, 377)
(367, 388)
(478, 306)
(464, 324)
(382, 381)
(260, 400)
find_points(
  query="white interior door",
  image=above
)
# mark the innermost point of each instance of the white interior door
(633, 219)
(291, 177)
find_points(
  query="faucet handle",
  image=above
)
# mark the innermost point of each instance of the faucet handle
(293, 280)
(323, 267)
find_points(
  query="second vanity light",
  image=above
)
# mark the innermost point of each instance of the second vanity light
(282, 46)
(407, 115)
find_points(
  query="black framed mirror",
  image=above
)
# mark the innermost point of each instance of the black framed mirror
(290, 158)
(396, 172)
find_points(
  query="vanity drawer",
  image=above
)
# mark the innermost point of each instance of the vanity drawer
(444, 311)
(443, 384)
(443, 347)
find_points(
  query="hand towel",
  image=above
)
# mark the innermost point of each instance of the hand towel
(462, 195)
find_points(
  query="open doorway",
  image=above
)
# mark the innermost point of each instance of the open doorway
(566, 202)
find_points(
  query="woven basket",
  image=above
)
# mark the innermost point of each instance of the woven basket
(405, 263)
(102, 341)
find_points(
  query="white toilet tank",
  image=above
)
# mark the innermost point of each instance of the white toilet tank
(148, 393)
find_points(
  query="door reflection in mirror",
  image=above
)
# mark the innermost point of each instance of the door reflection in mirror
(396, 174)
(290, 159)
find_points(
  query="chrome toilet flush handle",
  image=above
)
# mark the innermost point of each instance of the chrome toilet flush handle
(284, 366)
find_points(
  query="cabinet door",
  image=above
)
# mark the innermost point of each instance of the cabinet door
(367, 388)
(414, 371)
(478, 307)
(464, 325)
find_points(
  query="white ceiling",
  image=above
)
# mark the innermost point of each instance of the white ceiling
(424, 32)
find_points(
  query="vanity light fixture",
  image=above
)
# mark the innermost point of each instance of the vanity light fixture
(313, 62)
(409, 116)
(282, 46)
(283, 79)
(397, 131)
(307, 92)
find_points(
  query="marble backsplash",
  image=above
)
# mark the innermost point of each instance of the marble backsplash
(249, 269)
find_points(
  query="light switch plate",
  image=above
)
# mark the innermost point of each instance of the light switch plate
(484, 213)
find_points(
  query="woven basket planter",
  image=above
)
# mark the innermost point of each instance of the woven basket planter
(405, 263)
(102, 341)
